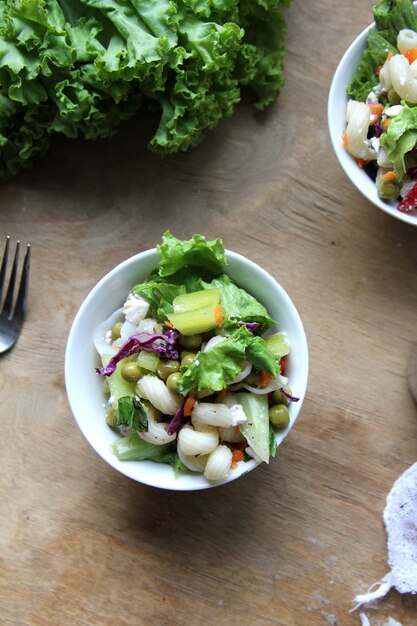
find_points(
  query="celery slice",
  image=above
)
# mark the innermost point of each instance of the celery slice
(148, 360)
(133, 448)
(194, 322)
(196, 300)
(256, 427)
(118, 386)
(278, 344)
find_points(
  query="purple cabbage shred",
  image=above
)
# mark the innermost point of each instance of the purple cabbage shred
(411, 172)
(252, 326)
(378, 129)
(289, 395)
(177, 421)
(164, 344)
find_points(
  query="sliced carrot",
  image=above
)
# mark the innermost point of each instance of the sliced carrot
(389, 176)
(410, 55)
(264, 379)
(377, 109)
(218, 314)
(345, 139)
(386, 123)
(361, 162)
(189, 405)
(237, 455)
(167, 323)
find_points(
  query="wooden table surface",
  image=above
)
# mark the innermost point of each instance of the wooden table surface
(290, 544)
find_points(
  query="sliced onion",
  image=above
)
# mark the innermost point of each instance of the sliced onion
(213, 342)
(99, 336)
(275, 384)
(245, 372)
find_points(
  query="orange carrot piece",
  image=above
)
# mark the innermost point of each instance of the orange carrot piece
(360, 162)
(237, 455)
(386, 123)
(410, 55)
(345, 139)
(377, 108)
(218, 314)
(222, 393)
(264, 379)
(188, 405)
(167, 323)
(389, 176)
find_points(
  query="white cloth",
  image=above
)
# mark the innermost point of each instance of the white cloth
(400, 518)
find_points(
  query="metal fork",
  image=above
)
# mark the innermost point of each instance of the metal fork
(11, 316)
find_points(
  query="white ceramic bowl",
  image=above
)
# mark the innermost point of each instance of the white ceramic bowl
(85, 388)
(336, 112)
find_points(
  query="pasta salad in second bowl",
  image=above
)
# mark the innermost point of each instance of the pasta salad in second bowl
(381, 113)
(200, 384)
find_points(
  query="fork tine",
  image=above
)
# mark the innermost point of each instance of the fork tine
(4, 265)
(7, 306)
(20, 306)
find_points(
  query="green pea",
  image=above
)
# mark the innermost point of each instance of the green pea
(278, 397)
(188, 358)
(111, 417)
(279, 416)
(191, 342)
(172, 382)
(131, 372)
(167, 367)
(393, 97)
(115, 331)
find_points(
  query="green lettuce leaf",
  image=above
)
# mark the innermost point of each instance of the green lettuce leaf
(131, 413)
(217, 367)
(197, 252)
(373, 56)
(391, 16)
(400, 138)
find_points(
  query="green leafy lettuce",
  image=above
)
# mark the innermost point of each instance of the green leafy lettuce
(187, 266)
(132, 413)
(81, 67)
(400, 138)
(217, 367)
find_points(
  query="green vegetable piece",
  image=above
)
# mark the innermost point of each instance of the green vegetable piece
(187, 359)
(172, 382)
(272, 442)
(191, 342)
(196, 300)
(256, 428)
(111, 417)
(167, 367)
(278, 397)
(133, 448)
(278, 344)
(115, 331)
(279, 415)
(131, 372)
(194, 322)
(197, 252)
(118, 386)
(148, 361)
(132, 413)
(387, 186)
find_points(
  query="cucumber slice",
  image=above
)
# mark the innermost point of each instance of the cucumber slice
(196, 300)
(118, 386)
(148, 360)
(194, 322)
(256, 428)
(278, 344)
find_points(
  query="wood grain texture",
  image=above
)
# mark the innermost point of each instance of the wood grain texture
(289, 544)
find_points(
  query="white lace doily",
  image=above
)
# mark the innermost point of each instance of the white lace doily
(400, 518)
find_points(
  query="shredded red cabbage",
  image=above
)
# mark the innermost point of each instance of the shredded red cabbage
(163, 344)
(177, 421)
(252, 326)
(289, 396)
(411, 172)
(378, 129)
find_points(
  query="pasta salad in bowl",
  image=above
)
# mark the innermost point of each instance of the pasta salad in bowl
(372, 110)
(187, 365)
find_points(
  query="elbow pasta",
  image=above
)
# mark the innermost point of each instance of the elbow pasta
(403, 77)
(406, 40)
(153, 389)
(198, 442)
(358, 116)
(157, 431)
(195, 463)
(218, 463)
(217, 414)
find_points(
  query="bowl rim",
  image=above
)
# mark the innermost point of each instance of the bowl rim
(359, 178)
(127, 468)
